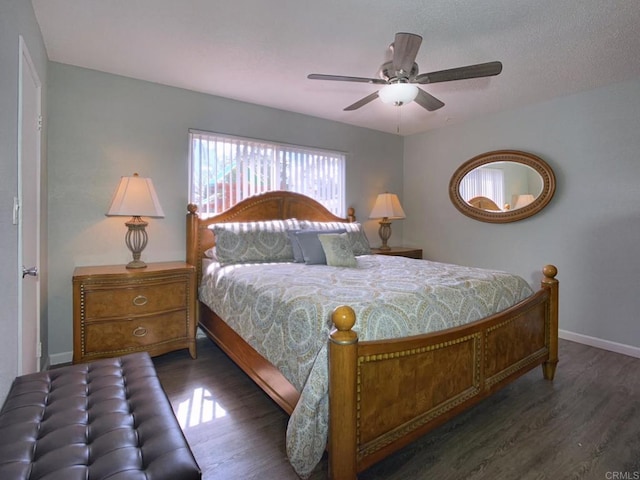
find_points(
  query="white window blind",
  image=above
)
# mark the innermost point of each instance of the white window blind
(484, 182)
(225, 169)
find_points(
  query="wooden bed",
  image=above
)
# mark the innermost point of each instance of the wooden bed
(440, 374)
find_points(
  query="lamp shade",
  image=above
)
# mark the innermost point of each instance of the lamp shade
(523, 200)
(398, 93)
(387, 206)
(135, 197)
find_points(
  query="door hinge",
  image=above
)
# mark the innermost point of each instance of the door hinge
(39, 350)
(39, 123)
(16, 210)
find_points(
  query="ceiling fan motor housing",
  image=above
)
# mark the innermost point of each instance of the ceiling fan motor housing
(388, 73)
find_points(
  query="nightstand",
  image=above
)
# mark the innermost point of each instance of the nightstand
(399, 252)
(117, 311)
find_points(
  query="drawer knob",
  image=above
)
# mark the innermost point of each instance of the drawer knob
(140, 300)
(139, 332)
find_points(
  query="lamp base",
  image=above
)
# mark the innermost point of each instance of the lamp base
(136, 264)
(136, 240)
(385, 232)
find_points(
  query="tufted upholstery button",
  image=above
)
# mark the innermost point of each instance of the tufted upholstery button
(106, 419)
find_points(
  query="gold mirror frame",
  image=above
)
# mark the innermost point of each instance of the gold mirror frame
(528, 159)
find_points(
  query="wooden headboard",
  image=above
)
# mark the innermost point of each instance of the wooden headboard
(484, 203)
(278, 205)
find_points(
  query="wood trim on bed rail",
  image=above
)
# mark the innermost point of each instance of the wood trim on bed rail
(258, 368)
(385, 394)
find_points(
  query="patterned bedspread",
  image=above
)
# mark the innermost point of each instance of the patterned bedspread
(283, 310)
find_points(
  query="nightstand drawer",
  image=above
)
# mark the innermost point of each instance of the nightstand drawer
(107, 301)
(113, 335)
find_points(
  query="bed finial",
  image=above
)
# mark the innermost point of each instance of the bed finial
(550, 271)
(192, 208)
(351, 214)
(344, 318)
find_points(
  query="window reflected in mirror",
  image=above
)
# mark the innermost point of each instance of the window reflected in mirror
(501, 186)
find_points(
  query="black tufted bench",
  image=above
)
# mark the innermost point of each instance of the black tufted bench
(109, 419)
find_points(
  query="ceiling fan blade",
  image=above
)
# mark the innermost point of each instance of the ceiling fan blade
(342, 78)
(461, 73)
(362, 102)
(428, 101)
(405, 49)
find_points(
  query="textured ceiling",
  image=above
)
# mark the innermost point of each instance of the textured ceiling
(261, 51)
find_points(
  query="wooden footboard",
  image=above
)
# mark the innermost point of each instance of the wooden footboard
(385, 394)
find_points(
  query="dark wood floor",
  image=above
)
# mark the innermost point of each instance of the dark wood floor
(584, 425)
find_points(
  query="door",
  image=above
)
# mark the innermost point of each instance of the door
(28, 213)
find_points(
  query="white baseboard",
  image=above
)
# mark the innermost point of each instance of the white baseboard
(58, 358)
(600, 343)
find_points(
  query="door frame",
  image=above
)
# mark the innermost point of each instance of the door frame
(27, 67)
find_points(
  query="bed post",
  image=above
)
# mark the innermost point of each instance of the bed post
(343, 349)
(192, 235)
(192, 249)
(549, 281)
(351, 214)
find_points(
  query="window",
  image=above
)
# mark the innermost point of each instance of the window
(484, 182)
(224, 169)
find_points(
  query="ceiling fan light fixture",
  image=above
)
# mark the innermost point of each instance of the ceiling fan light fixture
(398, 93)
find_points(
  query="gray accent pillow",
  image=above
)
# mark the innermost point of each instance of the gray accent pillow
(310, 245)
(295, 246)
(337, 249)
(357, 238)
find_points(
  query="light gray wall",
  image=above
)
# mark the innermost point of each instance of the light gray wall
(16, 18)
(591, 228)
(103, 126)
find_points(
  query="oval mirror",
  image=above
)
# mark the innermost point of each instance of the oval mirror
(502, 186)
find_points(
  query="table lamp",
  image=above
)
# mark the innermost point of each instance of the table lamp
(135, 197)
(523, 200)
(387, 208)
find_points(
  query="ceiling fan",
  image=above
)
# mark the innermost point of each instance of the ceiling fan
(400, 76)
